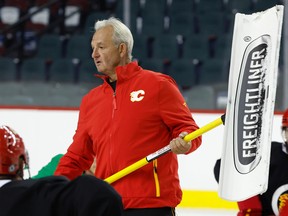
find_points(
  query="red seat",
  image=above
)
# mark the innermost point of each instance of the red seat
(41, 20)
(75, 11)
(11, 11)
(22, 5)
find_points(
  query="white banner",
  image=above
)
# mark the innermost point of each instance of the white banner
(250, 108)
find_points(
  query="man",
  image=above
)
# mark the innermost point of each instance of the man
(49, 196)
(275, 200)
(134, 113)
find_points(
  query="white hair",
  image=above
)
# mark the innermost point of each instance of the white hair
(122, 33)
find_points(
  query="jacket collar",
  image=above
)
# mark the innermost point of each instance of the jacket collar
(124, 72)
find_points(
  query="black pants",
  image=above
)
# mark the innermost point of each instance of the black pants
(167, 211)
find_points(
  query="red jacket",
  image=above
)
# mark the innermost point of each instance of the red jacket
(145, 113)
(283, 204)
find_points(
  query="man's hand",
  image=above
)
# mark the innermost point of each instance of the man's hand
(178, 145)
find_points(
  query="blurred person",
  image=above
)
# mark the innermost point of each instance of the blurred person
(275, 200)
(50, 167)
(134, 113)
(48, 196)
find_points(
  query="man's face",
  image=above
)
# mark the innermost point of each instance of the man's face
(105, 53)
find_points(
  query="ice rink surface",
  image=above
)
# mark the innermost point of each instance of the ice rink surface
(204, 212)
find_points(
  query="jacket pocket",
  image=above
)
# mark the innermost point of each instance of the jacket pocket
(156, 179)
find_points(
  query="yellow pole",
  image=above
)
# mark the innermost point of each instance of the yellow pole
(154, 155)
(126, 171)
(204, 129)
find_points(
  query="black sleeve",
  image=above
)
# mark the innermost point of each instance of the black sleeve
(58, 196)
(217, 170)
(88, 195)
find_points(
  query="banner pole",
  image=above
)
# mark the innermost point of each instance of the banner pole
(163, 151)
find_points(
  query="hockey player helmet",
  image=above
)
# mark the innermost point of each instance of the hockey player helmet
(12, 151)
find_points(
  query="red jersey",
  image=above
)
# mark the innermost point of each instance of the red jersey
(119, 128)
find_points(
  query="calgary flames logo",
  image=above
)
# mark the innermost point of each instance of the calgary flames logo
(137, 95)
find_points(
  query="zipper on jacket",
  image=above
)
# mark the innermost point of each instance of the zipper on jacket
(114, 107)
(114, 104)
(156, 179)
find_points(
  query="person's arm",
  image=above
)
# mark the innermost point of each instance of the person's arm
(79, 156)
(92, 169)
(49, 168)
(87, 195)
(217, 170)
(176, 114)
